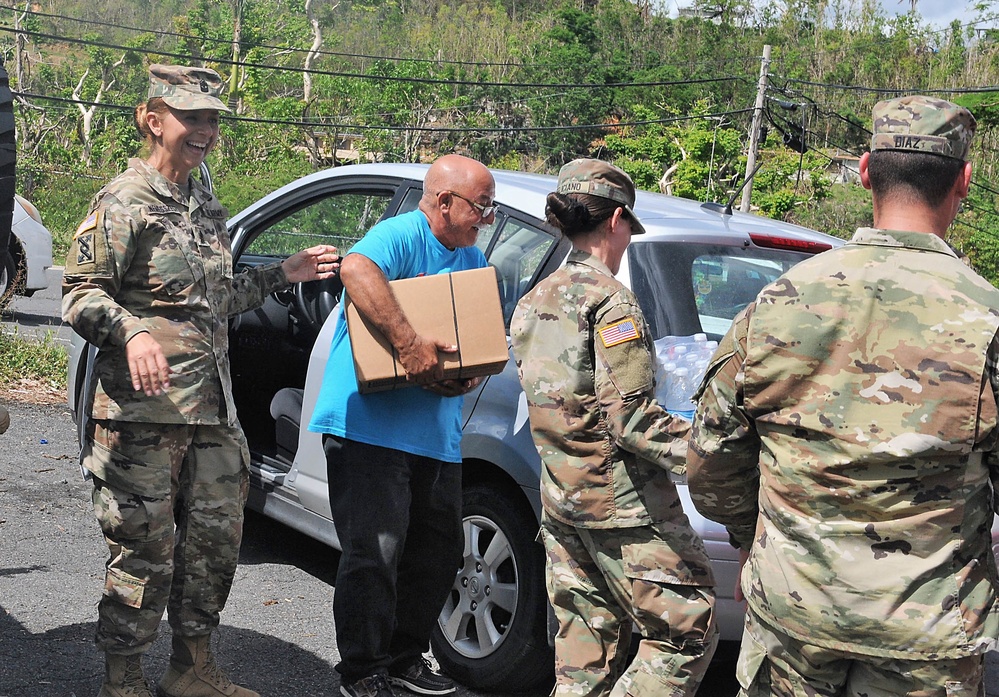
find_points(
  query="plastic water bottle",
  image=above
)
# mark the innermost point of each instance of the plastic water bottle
(664, 380)
(680, 394)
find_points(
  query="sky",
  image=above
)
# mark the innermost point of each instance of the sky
(938, 13)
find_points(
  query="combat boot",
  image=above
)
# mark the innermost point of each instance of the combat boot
(123, 677)
(193, 672)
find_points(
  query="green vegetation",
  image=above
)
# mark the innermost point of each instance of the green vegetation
(33, 365)
(519, 84)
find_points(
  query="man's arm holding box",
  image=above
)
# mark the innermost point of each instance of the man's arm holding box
(370, 292)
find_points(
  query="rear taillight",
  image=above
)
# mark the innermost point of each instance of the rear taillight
(774, 242)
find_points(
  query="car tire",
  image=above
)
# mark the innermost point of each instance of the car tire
(493, 631)
(11, 277)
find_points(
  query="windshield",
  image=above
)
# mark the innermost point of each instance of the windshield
(685, 288)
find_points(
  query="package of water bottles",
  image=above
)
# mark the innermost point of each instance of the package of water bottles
(681, 362)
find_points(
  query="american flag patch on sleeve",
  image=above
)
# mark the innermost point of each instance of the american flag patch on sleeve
(89, 224)
(619, 332)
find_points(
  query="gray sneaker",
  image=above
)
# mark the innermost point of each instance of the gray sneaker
(421, 678)
(4, 418)
(371, 686)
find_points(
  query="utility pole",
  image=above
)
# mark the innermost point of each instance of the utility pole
(237, 61)
(754, 134)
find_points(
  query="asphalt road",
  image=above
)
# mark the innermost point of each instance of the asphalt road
(38, 316)
(277, 630)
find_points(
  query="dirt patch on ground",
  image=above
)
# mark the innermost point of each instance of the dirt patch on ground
(32, 391)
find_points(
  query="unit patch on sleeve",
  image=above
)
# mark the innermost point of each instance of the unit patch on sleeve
(84, 239)
(89, 254)
(619, 332)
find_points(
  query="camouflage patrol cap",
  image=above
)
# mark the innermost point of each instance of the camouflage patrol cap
(923, 124)
(599, 178)
(186, 88)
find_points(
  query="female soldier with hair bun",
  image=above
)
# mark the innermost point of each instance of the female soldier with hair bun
(149, 281)
(620, 550)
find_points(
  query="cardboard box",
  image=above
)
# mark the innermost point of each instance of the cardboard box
(460, 308)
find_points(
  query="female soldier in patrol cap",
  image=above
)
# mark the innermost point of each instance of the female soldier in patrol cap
(149, 281)
(620, 549)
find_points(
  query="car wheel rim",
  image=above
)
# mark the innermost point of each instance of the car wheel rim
(483, 602)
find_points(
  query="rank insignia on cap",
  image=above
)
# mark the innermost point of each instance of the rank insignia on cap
(89, 224)
(619, 332)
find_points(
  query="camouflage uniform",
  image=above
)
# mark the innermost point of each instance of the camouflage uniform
(170, 470)
(620, 549)
(846, 435)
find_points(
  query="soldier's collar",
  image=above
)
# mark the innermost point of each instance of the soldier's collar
(579, 256)
(902, 238)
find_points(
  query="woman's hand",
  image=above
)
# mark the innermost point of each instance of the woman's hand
(312, 264)
(147, 365)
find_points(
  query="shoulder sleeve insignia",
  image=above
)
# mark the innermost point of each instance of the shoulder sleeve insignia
(89, 224)
(619, 332)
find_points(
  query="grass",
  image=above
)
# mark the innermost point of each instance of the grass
(32, 370)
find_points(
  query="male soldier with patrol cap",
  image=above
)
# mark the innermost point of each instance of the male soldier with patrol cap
(621, 552)
(846, 433)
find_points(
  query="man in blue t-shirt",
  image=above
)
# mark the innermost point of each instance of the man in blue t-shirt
(394, 458)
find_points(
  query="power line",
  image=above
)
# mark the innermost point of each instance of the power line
(342, 54)
(362, 76)
(900, 91)
(323, 123)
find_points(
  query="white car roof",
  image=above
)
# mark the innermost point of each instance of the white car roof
(662, 216)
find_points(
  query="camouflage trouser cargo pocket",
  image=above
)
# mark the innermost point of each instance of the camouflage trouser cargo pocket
(663, 591)
(749, 668)
(601, 581)
(128, 457)
(124, 588)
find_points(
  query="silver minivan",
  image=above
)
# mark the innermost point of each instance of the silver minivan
(696, 267)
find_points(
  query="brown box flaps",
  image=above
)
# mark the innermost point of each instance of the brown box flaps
(460, 308)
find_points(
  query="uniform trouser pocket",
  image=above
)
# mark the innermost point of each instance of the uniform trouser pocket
(601, 581)
(171, 513)
(139, 534)
(748, 669)
(674, 612)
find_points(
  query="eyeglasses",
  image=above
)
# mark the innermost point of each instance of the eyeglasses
(484, 211)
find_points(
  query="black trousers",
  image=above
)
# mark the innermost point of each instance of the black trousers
(398, 517)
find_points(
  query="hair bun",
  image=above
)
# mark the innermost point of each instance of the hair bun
(567, 213)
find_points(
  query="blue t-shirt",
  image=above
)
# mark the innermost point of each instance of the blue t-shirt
(410, 419)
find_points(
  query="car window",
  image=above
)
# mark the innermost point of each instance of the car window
(685, 288)
(411, 201)
(341, 219)
(517, 253)
(723, 285)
